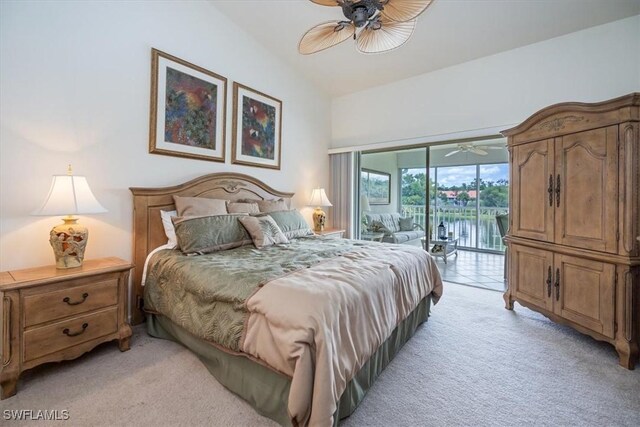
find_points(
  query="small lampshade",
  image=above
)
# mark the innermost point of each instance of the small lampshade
(70, 195)
(319, 198)
(364, 204)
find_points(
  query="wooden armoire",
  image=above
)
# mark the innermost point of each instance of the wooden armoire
(574, 253)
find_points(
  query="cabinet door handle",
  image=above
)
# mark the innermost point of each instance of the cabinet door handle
(75, 334)
(558, 191)
(549, 280)
(557, 284)
(68, 300)
(550, 190)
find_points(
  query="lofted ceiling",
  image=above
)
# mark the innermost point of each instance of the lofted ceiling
(450, 32)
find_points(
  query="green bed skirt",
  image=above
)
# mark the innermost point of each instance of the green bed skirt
(268, 391)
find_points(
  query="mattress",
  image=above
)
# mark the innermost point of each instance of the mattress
(314, 312)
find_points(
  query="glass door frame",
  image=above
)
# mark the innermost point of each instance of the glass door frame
(427, 147)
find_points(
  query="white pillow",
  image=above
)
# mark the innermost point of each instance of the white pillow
(169, 230)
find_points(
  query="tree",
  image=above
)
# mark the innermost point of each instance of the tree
(463, 198)
(414, 187)
(496, 196)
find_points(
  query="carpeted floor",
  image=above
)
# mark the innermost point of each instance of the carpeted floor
(473, 363)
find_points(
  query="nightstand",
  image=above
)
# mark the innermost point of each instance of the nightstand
(330, 232)
(49, 315)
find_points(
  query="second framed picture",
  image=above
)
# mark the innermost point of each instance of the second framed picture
(257, 128)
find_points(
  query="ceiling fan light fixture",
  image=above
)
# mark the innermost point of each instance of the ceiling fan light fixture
(383, 25)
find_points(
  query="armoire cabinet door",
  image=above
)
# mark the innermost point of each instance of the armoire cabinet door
(587, 181)
(533, 198)
(531, 275)
(585, 294)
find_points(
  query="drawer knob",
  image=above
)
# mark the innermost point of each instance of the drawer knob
(68, 300)
(75, 334)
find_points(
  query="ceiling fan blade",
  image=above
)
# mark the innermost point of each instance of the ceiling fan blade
(493, 147)
(326, 2)
(324, 36)
(404, 10)
(452, 153)
(389, 36)
(478, 151)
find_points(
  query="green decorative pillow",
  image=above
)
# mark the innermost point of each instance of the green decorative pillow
(291, 223)
(406, 224)
(263, 230)
(205, 234)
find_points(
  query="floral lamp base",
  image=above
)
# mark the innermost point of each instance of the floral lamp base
(69, 241)
(319, 219)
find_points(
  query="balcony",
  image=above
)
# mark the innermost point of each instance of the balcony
(474, 229)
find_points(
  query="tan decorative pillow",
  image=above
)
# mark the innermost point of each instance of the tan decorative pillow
(248, 208)
(267, 206)
(199, 206)
(263, 230)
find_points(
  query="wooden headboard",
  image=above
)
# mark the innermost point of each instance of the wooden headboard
(148, 232)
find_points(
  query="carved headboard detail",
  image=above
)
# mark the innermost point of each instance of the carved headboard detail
(148, 232)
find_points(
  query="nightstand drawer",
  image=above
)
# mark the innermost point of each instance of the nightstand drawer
(49, 339)
(53, 305)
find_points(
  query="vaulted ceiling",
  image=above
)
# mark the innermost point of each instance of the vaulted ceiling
(450, 32)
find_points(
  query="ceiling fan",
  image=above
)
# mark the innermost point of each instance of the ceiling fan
(376, 25)
(480, 150)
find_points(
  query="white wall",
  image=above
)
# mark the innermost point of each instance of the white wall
(75, 80)
(591, 65)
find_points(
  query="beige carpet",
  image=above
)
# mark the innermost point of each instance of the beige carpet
(473, 363)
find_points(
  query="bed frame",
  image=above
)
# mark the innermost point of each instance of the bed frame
(148, 232)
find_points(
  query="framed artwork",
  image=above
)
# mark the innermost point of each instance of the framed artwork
(257, 128)
(188, 106)
(376, 186)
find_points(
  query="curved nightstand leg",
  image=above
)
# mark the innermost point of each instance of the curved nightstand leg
(124, 342)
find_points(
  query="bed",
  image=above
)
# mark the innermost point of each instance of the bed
(300, 331)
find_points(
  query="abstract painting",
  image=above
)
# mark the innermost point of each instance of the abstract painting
(187, 109)
(257, 124)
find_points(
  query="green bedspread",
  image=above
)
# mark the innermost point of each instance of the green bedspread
(206, 294)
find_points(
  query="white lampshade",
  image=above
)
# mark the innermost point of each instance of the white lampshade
(70, 195)
(319, 198)
(364, 204)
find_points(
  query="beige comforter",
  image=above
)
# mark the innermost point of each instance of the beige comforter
(312, 325)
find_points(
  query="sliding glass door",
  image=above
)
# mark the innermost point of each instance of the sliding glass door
(396, 182)
(471, 192)
(462, 186)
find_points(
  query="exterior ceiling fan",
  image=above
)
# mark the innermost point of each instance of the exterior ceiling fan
(376, 25)
(480, 150)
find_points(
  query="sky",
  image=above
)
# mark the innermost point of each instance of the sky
(457, 175)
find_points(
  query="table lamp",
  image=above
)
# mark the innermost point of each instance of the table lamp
(319, 199)
(69, 195)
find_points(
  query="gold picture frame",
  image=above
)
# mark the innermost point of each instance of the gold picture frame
(257, 128)
(191, 103)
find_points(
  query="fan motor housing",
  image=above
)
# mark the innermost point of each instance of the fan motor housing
(360, 12)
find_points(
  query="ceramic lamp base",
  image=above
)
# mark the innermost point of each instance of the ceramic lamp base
(69, 241)
(319, 219)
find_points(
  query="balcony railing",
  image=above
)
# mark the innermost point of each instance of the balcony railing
(476, 230)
